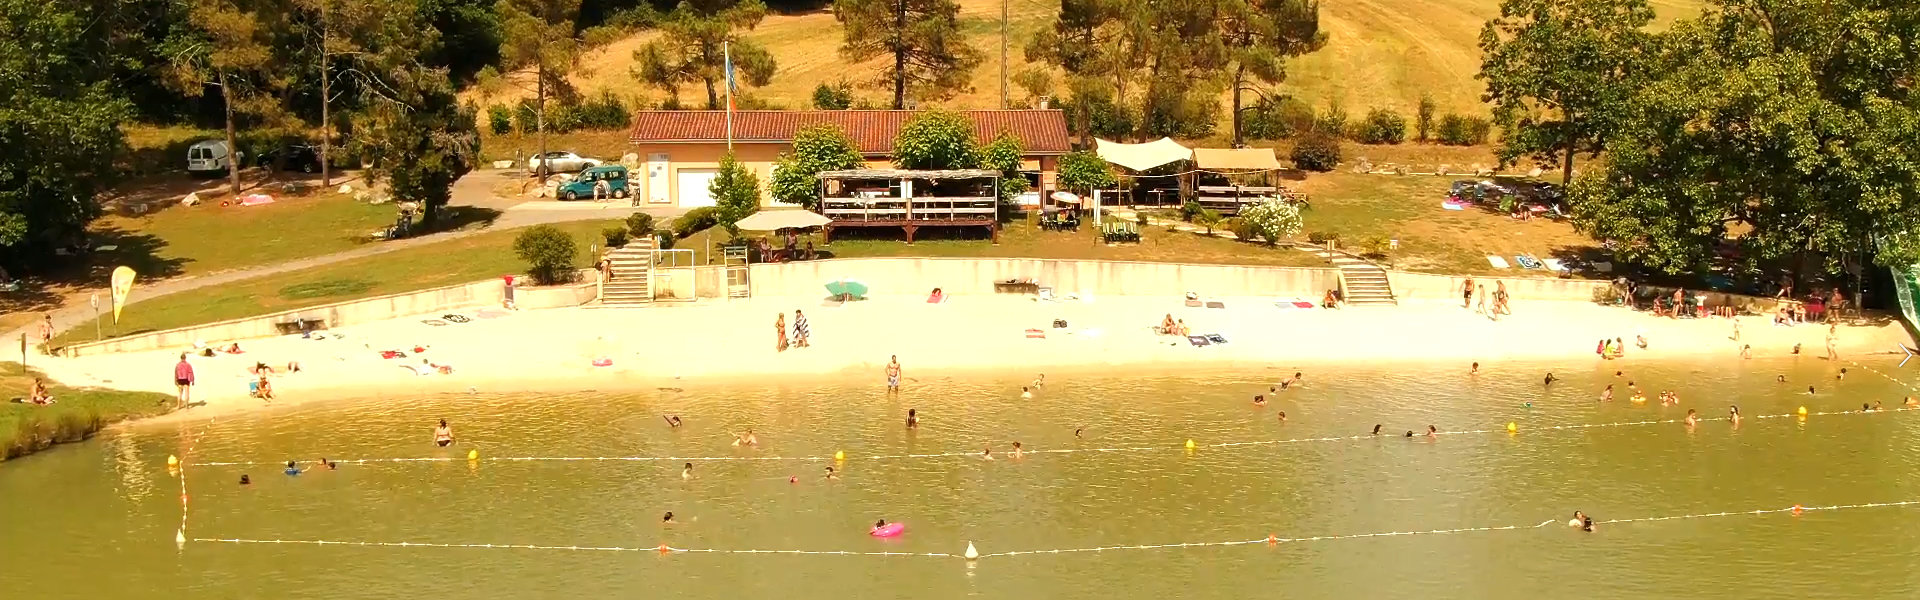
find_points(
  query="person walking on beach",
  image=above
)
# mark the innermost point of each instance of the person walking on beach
(46, 334)
(1466, 294)
(183, 381)
(780, 332)
(1833, 339)
(893, 374)
(1481, 308)
(1500, 299)
(800, 331)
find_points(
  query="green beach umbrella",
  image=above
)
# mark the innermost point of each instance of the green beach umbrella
(847, 287)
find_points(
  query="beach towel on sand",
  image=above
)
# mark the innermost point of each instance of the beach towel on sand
(1497, 262)
(1216, 338)
(1197, 340)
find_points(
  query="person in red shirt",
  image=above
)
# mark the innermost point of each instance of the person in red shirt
(183, 380)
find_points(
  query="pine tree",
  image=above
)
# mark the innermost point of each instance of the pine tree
(931, 58)
(1260, 36)
(540, 35)
(690, 48)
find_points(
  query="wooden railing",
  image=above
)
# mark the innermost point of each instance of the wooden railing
(926, 208)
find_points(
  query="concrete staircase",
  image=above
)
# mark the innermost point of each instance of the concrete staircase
(631, 283)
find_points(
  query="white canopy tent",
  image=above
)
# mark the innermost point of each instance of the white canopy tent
(771, 220)
(1140, 157)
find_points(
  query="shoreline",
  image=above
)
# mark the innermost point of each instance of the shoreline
(701, 344)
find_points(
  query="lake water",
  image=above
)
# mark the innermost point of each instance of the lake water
(98, 519)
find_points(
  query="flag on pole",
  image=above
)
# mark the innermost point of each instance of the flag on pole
(726, 51)
(121, 286)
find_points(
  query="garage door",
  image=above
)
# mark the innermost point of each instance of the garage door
(692, 187)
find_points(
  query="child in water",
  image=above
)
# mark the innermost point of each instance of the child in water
(293, 469)
(1693, 418)
(1017, 452)
(986, 453)
(832, 475)
(913, 421)
(673, 421)
(1259, 400)
(1025, 394)
(1283, 417)
(686, 473)
(1733, 415)
(667, 520)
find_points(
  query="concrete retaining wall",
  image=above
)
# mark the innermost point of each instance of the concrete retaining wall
(480, 293)
(559, 296)
(1423, 287)
(917, 276)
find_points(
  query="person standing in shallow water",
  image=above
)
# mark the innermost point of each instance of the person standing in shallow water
(183, 382)
(893, 373)
(1466, 294)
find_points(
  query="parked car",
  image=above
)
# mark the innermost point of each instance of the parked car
(560, 162)
(210, 157)
(582, 187)
(292, 157)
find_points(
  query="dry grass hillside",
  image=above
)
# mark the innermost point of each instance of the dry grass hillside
(1380, 53)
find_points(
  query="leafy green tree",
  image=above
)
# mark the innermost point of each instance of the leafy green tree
(1260, 35)
(1383, 126)
(540, 35)
(1558, 70)
(1423, 118)
(1272, 220)
(836, 96)
(936, 139)
(549, 253)
(1788, 128)
(692, 44)
(1084, 172)
(1003, 155)
(736, 193)
(58, 110)
(815, 149)
(931, 58)
(418, 135)
(226, 45)
(469, 36)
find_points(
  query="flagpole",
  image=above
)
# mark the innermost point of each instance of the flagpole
(726, 49)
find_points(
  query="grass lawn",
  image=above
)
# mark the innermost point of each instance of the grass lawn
(75, 415)
(1407, 208)
(1021, 240)
(449, 262)
(182, 240)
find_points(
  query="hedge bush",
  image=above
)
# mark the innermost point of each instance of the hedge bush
(549, 253)
(640, 224)
(695, 221)
(1457, 130)
(1317, 152)
(1383, 126)
(616, 236)
(500, 119)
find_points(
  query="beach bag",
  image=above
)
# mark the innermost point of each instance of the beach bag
(1059, 323)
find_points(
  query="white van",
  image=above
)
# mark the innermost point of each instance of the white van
(210, 156)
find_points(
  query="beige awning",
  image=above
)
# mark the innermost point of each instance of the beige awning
(1243, 159)
(769, 220)
(1140, 157)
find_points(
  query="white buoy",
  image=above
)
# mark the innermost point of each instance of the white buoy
(179, 537)
(971, 553)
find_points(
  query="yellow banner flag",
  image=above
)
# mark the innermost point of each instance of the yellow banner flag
(122, 285)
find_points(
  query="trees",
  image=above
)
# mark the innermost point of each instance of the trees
(1781, 127)
(1558, 70)
(417, 135)
(936, 139)
(931, 57)
(1260, 35)
(224, 44)
(59, 112)
(736, 193)
(1003, 155)
(691, 48)
(1423, 119)
(549, 253)
(540, 34)
(1084, 42)
(815, 149)
(1082, 172)
(838, 96)
(1383, 126)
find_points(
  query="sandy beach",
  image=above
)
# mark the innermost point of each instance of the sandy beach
(732, 342)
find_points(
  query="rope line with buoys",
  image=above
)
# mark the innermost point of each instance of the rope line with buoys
(972, 553)
(1509, 428)
(174, 465)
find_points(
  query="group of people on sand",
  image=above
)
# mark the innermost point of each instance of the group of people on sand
(1173, 327)
(801, 332)
(1498, 299)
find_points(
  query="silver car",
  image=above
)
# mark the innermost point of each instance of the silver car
(561, 162)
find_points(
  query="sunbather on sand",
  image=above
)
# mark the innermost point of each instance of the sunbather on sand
(1167, 325)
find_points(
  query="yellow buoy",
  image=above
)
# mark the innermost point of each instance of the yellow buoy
(473, 455)
(173, 461)
(1803, 411)
(839, 455)
(1190, 444)
(1511, 427)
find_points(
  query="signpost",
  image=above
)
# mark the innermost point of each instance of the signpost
(95, 299)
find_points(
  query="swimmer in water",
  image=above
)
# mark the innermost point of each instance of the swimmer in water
(1026, 394)
(986, 453)
(1746, 351)
(293, 469)
(1780, 379)
(745, 439)
(244, 480)
(913, 419)
(794, 479)
(330, 465)
(830, 474)
(1809, 390)
(1693, 418)
(1376, 429)
(1259, 400)
(673, 421)
(686, 472)
(1283, 417)
(1910, 401)
(1017, 452)
(443, 434)
(1606, 395)
(1619, 373)
(1587, 524)
(1288, 382)
(1475, 370)
(1865, 408)
(1076, 432)
(1433, 432)
(1039, 381)
(1578, 517)
(1409, 434)
(667, 519)
(878, 524)
(1733, 415)
(1549, 380)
